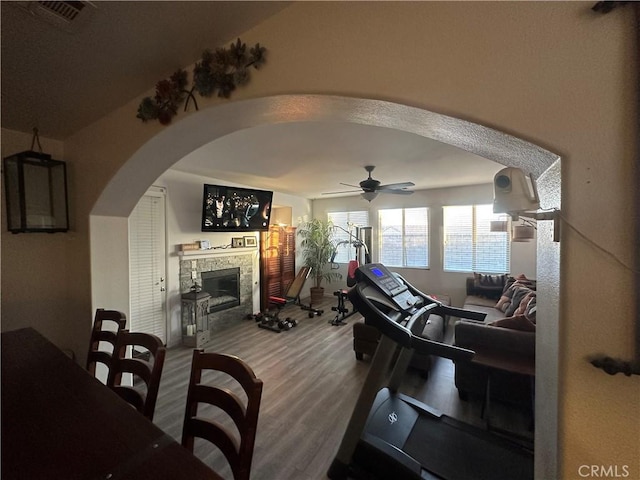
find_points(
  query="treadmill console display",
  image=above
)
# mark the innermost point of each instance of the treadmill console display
(391, 287)
(377, 272)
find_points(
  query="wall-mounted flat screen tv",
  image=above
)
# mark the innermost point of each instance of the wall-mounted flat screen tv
(234, 209)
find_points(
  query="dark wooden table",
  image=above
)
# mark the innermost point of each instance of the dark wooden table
(58, 422)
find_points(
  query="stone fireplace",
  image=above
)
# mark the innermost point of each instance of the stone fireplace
(228, 278)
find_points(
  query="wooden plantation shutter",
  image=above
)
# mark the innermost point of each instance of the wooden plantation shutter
(287, 256)
(277, 262)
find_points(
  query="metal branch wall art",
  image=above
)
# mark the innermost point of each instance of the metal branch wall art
(217, 72)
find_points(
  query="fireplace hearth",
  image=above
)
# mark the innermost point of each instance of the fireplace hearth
(224, 288)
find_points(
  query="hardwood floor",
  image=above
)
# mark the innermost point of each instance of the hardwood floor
(311, 383)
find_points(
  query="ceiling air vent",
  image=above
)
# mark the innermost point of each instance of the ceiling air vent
(67, 16)
(66, 10)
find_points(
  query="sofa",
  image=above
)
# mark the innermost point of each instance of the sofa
(366, 339)
(506, 338)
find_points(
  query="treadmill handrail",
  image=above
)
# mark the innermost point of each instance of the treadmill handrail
(442, 308)
(402, 334)
(430, 347)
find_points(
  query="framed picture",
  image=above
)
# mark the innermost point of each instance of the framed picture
(205, 244)
(237, 242)
(250, 241)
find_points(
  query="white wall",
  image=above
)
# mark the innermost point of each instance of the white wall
(184, 213)
(432, 280)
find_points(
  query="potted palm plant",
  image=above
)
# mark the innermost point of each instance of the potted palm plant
(317, 250)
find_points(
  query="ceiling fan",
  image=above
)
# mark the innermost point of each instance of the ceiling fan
(371, 187)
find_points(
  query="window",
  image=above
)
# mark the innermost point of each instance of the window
(469, 243)
(347, 220)
(404, 237)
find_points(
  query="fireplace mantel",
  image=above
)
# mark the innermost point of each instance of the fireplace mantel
(216, 252)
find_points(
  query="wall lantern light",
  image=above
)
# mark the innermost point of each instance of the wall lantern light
(36, 193)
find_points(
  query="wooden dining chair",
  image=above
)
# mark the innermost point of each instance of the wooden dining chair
(106, 325)
(237, 448)
(145, 363)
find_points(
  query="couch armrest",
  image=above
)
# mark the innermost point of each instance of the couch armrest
(479, 336)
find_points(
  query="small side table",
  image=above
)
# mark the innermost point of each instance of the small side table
(195, 321)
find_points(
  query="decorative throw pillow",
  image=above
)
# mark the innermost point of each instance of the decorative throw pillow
(530, 311)
(516, 322)
(505, 300)
(489, 286)
(503, 303)
(523, 280)
(507, 285)
(519, 293)
(524, 303)
(483, 280)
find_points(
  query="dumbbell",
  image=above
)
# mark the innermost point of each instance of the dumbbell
(292, 321)
(283, 325)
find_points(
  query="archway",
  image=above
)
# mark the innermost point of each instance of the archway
(109, 231)
(204, 126)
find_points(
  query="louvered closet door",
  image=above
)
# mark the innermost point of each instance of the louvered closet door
(147, 265)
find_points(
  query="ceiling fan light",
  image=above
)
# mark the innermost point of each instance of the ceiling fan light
(368, 196)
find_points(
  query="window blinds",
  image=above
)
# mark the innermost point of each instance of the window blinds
(404, 237)
(360, 218)
(469, 244)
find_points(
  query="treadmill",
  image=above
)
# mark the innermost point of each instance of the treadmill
(392, 435)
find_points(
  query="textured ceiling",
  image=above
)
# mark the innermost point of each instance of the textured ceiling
(312, 158)
(61, 79)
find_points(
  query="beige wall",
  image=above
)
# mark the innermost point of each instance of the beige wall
(552, 73)
(41, 286)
